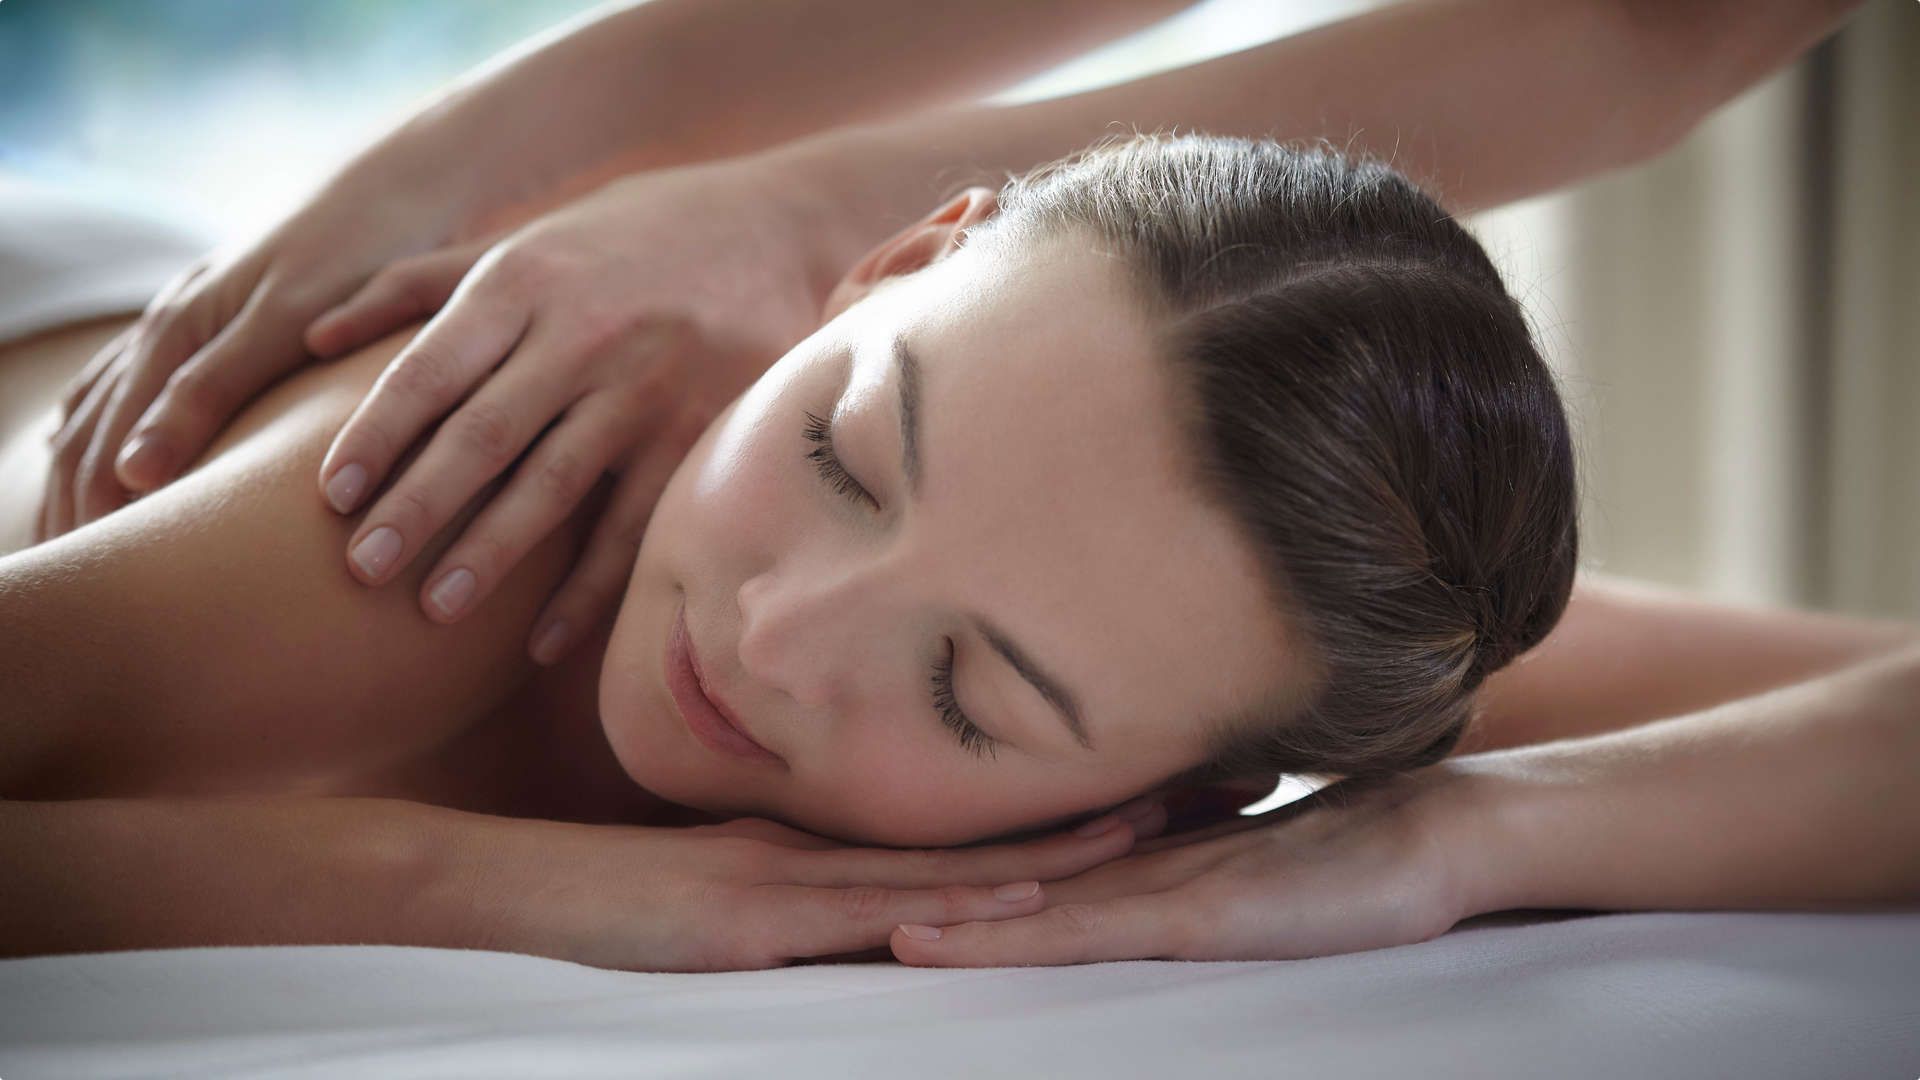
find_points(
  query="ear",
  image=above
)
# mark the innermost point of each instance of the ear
(918, 245)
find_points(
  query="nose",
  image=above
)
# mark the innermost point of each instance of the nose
(807, 630)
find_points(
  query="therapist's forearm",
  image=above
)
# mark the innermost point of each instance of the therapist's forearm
(1803, 797)
(1487, 100)
(640, 85)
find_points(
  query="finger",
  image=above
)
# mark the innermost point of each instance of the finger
(768, 831)
(470, 449)
(1046, 859)
(56, 501)
(96, 491)
(419, 386)
(564, 466)
(400, 293)
(160, 339)
(600, 577)
(800, 920)
(195, 402)
(1141, 926)
(78, 387)
(150, 361)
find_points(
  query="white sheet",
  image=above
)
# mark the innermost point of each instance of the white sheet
(1661, 994)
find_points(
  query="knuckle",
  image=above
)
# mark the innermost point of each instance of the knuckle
(425, 372)
(195, 388)
(566, 477)
(864, 902)
(411, 508)
(366, 440)
(488, 432)
(524, 269)
(956, 900)
(1078, 919)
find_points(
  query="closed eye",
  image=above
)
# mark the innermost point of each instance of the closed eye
(828, 463)
(971, 737)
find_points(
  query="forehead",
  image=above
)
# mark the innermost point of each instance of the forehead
(1056, 492)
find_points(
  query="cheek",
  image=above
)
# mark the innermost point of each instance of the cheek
(905, 793)
(733, 485)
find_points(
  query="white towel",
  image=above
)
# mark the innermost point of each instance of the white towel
(68, 255)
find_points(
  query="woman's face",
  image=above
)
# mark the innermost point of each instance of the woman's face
(1012, 486)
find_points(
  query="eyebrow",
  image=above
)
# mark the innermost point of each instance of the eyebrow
(907, 377)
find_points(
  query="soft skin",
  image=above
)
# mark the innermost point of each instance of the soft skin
(819, 613)
(229, 655)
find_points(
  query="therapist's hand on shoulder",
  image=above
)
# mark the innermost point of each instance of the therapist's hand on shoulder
(146, 405)
(603, 337)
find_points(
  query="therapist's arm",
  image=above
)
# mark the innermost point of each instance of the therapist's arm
(632, 85)
(1485, 101)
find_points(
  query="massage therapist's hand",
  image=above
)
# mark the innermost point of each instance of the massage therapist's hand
(1314, 877)
(746, 894)
(230, 325)
(603, 336)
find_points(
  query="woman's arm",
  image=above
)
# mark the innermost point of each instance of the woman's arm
(1629, 652)
(1800, 797)
(100, 874)
(1486, 100)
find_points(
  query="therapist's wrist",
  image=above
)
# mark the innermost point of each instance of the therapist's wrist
(853, 187)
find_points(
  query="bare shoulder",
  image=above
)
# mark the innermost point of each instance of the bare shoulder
(227, 645)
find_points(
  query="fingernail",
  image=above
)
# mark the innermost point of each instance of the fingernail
(1138, 808)
(343, 491)
(144, 460)
(375, 553)
(451, 593)
(924, 933)
(1097, 825)
(548, 642)
(1019, 890)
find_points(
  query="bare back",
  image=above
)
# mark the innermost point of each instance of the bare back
(207, 638)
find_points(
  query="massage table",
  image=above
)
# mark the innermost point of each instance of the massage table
(1752, 995)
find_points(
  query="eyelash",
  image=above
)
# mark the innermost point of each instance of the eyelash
(972, 739)
(829, 465)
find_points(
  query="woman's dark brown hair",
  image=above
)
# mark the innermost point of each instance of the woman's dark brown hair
(1363, 397)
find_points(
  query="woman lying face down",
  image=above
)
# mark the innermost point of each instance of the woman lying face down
(1187, 458)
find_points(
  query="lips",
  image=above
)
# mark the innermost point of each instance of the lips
(710, 719)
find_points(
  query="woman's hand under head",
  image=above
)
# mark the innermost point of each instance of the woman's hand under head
(944, 561)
